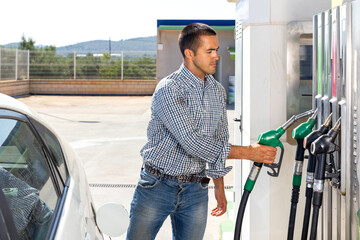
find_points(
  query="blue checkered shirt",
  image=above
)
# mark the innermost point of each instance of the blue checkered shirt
(188, 130)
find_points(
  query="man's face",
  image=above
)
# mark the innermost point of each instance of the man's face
(205, 58)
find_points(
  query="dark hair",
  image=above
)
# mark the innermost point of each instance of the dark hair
(189, 36)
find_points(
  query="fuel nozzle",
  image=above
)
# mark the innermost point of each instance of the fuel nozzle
(321, 146)
(310, 180)
(299, 133)
(323, 129)
(305, 128)
(271, 138)
(294, 118)
(325, 143)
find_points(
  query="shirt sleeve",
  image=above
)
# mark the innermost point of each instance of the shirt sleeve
(218, 169)
(169, 106)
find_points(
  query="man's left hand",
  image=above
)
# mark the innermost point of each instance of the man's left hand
(220, 198)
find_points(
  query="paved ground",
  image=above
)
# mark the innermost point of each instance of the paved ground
(108, 133)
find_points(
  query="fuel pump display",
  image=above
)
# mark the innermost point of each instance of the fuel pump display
(269, 138)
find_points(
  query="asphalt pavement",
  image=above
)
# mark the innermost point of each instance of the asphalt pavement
(107, 133)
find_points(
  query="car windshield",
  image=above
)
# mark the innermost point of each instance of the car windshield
(25, 179)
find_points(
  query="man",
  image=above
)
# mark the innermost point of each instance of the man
(187, 141)
(31, 215)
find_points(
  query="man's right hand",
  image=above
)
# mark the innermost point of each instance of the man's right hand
(255, 152)
(262, 153)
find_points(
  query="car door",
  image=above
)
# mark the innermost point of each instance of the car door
(28, 180)
(77, 220)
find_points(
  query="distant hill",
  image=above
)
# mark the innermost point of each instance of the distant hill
(10, 45)
(101, 46)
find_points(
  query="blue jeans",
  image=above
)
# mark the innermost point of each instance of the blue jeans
(155, 198)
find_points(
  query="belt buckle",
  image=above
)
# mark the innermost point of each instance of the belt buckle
(153, 171)
(182, 178)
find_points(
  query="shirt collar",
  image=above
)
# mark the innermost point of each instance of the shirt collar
(194, 80)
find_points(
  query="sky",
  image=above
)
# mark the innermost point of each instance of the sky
(64, 22)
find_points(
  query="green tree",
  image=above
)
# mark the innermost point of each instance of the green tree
(44, 63)
(27, 44)
(142, 68)
(106, 56)
(109, 68)
(88, 66)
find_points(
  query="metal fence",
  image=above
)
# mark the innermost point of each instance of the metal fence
(14, 64)
(48, 64)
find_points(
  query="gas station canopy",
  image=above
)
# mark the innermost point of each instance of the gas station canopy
(179, 24)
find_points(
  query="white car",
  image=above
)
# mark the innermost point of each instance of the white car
(44, 192)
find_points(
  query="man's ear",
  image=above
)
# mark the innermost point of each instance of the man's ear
(188, 53)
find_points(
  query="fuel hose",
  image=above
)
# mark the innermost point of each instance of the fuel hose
(269, 138)
(308, 140)
(308, 195)
(299, 159)
(249, 185)
(321, 146)
(318, 193)
(299, 134)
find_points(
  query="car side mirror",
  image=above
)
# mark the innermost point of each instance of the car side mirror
(112, 219)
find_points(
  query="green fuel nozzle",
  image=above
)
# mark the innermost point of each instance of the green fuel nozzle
(305, 128)
(294, 118)
(272, 138)
(269, 138)
(299, 133)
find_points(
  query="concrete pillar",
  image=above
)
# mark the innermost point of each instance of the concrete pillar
(264, 107)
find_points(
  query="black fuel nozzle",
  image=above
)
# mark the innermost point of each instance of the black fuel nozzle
(321, 146)
(325, 144)
(323, 129)
(308, 140)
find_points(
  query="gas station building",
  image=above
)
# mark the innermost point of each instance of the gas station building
(169, 58)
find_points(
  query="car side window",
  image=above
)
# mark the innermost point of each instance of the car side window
(54, 147)
(25, 180)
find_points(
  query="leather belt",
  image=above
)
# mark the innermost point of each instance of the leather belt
(180, 178)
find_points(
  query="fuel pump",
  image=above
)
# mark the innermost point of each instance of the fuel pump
(299, 134)
(308, 140)
(322, 146)
(269, 138)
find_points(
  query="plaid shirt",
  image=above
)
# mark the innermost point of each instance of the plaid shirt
(188, 130)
